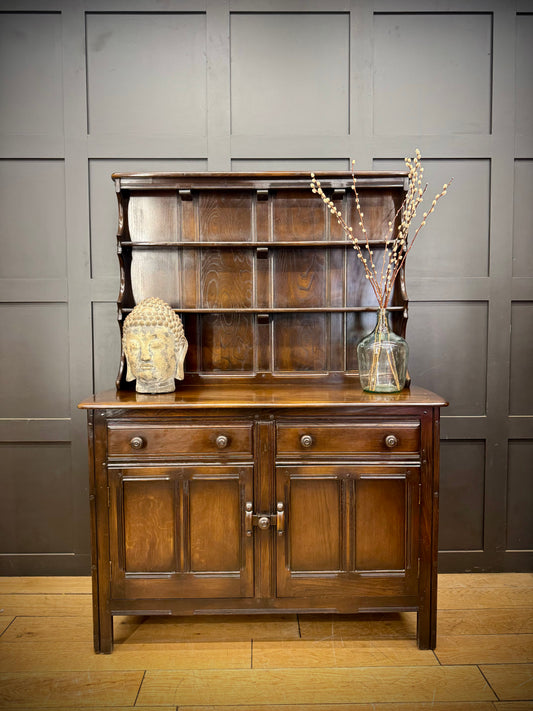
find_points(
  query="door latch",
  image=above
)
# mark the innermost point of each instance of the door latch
(264, 521)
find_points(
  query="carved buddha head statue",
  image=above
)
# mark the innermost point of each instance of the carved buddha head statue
(155, 346)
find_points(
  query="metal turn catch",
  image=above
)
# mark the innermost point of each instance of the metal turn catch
(264, 521)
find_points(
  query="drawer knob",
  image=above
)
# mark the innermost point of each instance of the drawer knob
(137, 442)
(222, 441)
(391, 441)
(306, 441)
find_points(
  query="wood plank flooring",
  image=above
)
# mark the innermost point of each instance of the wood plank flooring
(483, 660)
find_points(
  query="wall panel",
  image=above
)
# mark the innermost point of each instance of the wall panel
(31, 94)
(524, 86)
(34, 361)
(35, 506)
(521, 388)
(462, 495)
(282, 81)
(446, 60)
(523, 225)
(520, 495)
(106, 346)
(305, 164)
(87, 89)
(146, 73)
(33, 238)
(448, 353)
(456, 241)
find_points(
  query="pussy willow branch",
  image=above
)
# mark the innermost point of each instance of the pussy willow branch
(405, 252)
(370, 253)
(396, 248)
(316, 188)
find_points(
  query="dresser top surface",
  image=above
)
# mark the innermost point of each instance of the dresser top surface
(279, 395)
(388, 178)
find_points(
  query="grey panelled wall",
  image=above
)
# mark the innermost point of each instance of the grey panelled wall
(88, 87)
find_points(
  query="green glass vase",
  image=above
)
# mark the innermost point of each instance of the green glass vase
(382, 357)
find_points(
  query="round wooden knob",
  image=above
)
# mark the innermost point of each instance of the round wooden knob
(306, 441)
(222, 441)
(391, 441)
(137, 442)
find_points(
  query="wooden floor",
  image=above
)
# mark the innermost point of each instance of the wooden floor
(483, 660)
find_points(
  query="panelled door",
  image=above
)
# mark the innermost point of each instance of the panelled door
(178, 531)
(350, 529)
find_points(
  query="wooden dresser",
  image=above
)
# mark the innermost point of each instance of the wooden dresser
(268, 481)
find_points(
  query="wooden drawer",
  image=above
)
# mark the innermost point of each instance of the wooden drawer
(350, 438)
(213, 439)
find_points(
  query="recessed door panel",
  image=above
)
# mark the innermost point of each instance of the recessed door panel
(315, 515)
(149, 525)
(215, 525)
(381, 520)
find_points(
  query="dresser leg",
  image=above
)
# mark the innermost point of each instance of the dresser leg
(103, 633)
(426, 628)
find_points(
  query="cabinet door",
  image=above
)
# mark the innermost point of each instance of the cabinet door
(350, 530)
(178, 531)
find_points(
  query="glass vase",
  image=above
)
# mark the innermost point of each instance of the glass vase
(382, 357)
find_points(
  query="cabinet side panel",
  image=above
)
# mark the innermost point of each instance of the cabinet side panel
(149, 527)
(315, 520)
(215, 525)
(380, 524)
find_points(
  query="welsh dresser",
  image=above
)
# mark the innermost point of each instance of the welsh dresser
(268, 482)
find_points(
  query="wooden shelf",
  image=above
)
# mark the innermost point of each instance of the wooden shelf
(281, 310)
(244, 245)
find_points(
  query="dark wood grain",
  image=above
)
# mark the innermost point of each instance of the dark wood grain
(148, 518)
(215, 524)
(381, 525)
(349, 438)
(226, 279)
(298, 215)
(225, 216)
(153, 217)
(169, 438)
(226, 344)
(300, 343)
(314, 524)
(177, 531)
(285, 394)
(299, 278)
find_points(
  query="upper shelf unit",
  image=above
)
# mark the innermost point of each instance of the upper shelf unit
(262, 275)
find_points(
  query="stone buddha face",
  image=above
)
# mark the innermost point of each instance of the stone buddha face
(155, 346)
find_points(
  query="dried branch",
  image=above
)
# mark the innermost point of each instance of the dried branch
(396, 247)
